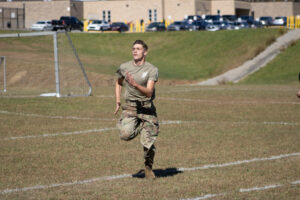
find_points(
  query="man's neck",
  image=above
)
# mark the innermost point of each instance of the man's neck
(138, 62)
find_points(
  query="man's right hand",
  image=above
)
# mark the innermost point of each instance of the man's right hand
(118, 105)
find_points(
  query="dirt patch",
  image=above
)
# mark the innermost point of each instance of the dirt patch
(17, 77)
(165, 82)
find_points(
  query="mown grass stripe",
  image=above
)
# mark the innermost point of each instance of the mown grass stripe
(162, 122)
(75, 132)
(167, 122)
(107, 178)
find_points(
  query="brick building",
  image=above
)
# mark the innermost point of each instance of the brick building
(136, 10)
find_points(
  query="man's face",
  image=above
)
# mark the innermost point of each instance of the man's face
(138, 52)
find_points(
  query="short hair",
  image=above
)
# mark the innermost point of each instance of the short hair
(141, 42)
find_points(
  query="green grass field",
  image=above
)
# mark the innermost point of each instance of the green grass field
(223, 142)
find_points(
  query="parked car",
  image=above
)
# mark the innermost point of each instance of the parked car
(119, 26)
(279, 21)
(199, 25)
(212, 18)
(192, 18)
(240, 25)
(175, 26)
(41, 26)
(98, 25)
(227, 25)
(248, 19)
(156, 26)
(213, 26)
(230, 18)
(186, 26)
(266, 20)
(256, 24)
(181, 25)
(67, 23)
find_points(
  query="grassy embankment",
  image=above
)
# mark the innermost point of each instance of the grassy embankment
(285, 68)
(179, 55)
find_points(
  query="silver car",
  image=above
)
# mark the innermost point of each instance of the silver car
(98, 25)
(41, 26)
(279, 21)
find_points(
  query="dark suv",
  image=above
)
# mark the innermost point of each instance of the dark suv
(266, 20)
(67, 23)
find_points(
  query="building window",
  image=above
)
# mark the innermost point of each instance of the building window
(103, 15)
(150, 15)
(155, 15)
(108, 16)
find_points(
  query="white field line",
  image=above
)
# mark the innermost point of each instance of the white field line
(207, 196)
(58, 134)
(162, 122)
(52, 117)
(267, 187)
(39, 96)
(260, 188)
(167, 122)
(240, 122)
(238, 162)
(16, 96)
(217, 102)
(37, 187)
(226, 102)
(200, 88)
(295, 182)
(74, 132)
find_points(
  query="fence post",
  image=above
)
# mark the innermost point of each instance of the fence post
(56, 65)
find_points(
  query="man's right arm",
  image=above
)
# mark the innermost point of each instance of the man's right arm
(118, 90)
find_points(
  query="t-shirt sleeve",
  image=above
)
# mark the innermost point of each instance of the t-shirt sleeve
(119, 73)
(153, 74)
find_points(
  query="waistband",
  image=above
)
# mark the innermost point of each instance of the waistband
(138, 103)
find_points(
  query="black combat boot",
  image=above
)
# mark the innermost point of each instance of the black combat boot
(149, 156)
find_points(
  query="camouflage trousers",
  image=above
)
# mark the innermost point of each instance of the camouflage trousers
(140, 119)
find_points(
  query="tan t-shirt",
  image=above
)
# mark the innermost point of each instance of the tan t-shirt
(141, 75)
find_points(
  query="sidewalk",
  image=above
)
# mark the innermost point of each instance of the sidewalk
(250, 66)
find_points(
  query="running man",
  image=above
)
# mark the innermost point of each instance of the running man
(139, 113)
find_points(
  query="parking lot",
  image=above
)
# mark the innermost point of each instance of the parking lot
(189, 23)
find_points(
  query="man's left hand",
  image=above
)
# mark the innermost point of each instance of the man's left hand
(130, 79)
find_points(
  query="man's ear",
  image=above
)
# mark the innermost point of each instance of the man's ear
(145, 53)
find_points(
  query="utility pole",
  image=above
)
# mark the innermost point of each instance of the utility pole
(163, 9)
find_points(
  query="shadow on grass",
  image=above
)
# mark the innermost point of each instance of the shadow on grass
(159, 173)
